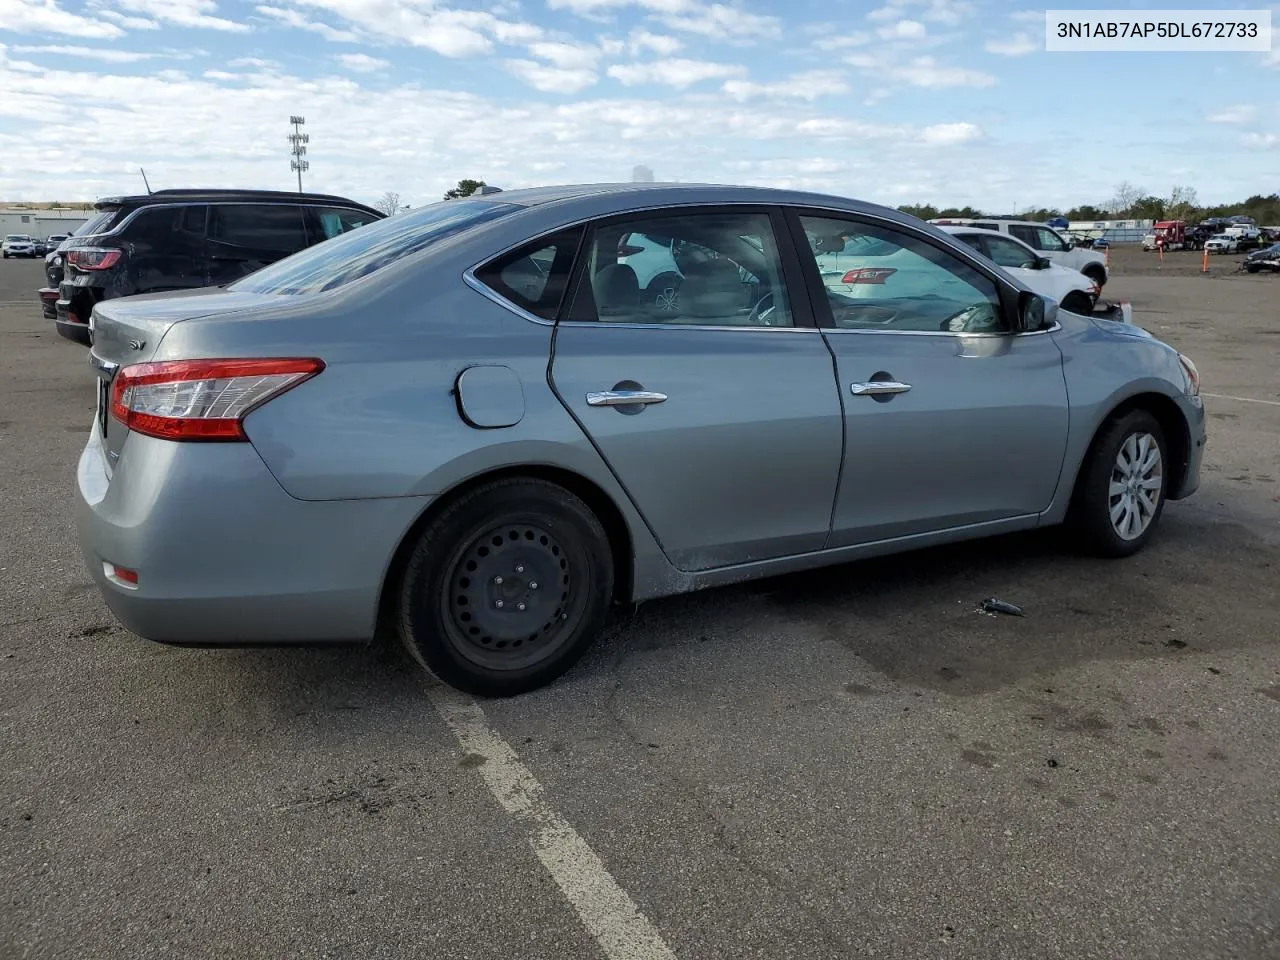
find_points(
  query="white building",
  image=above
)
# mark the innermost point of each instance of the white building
(41, 223)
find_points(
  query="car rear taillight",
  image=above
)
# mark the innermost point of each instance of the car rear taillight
(873, 275)
(629, 249)
(93, 258)
(202, 399)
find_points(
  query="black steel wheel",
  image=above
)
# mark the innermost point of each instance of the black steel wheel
(506, 587)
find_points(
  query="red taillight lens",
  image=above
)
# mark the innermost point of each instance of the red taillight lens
(93, 258)
(202, 399)
(874, 275)
(629, 249)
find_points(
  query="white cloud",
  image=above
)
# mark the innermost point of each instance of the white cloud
(128, 22)
(1261, 141)
(1019, 45)
(421, 23)
(551, 79)
(567, 56)
(659, 43)
(45, 16)
(292, 18)
(1028, 16)
(596, 7)
(803, 86)
(105, 54)
(950, 134)
(950, 12)
(719, 21)
(673, 73)
(254, 62)
(903, 30)
(184, 13)
(924, 72)
(362, 62)
(1240, 113)
(837, 38)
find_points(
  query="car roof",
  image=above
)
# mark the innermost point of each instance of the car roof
(210, 195)
(639, 194)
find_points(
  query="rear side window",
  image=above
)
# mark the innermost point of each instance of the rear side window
(268, 228)
(335, 221)
(98, 223)
(361, 252)
(535, 277)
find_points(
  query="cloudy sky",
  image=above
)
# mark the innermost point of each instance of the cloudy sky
(943, 101)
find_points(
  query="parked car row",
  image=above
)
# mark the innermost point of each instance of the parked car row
(1046, 241)
(178, 240)
(1268, 258)
(22, 245)
(482, 422)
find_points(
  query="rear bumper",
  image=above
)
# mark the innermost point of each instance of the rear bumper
(224, 556)
(48, 302)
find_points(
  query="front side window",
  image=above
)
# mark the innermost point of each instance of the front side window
(337, 220)
(878, 278)
(359, 253)
(1007, 253)
(268, 228)
(536, 276)
(1049, 241)
(710, 269)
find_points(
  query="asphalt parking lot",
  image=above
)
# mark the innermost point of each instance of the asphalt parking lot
(852, 763)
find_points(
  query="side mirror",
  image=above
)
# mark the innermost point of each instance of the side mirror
(1044, 263)
(1035, 313)
(1071, 244)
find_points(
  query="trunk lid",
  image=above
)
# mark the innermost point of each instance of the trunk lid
(129, 331)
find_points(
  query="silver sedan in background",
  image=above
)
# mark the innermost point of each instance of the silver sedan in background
(484, 421)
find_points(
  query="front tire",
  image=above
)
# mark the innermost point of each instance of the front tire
(1077, 302)
(506, 587)
(1120, 493)
(1096, 274)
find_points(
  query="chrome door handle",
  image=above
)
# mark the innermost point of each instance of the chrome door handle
(622, 398)
(876, 388)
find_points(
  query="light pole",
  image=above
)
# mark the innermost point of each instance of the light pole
(298, 150)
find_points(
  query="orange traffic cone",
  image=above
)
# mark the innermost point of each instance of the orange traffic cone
(1204, 265)
(1106, 256)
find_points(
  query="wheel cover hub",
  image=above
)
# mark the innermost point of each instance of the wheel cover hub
(1136, 485)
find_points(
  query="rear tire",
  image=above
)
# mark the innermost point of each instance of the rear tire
(1120, 491)
(1077, 302)
(506, 587)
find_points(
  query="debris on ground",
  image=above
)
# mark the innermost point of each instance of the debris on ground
(994, 605)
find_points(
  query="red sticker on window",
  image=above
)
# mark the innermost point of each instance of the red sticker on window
(876, 275)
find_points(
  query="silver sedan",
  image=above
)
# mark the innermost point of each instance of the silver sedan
(482, 422)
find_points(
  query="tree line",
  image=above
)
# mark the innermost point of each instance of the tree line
(1129, 203)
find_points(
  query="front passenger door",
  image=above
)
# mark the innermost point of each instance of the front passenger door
(716, 408)
(951, 417)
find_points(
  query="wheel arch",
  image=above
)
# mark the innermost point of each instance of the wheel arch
(621, 544)
(1177, 436)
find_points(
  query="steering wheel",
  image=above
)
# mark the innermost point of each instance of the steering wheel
(760, 313)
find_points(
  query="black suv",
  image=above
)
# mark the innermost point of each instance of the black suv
(180, 239)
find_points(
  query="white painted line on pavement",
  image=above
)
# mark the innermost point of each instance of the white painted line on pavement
(623, 932)
(1227, 396)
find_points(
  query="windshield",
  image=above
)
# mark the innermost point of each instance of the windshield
(370, 248)
(16, 236)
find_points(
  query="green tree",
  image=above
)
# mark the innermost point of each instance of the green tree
(465, 188)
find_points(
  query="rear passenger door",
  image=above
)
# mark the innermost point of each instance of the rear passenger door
(165, 248)
(716, 406)
(244, 237)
